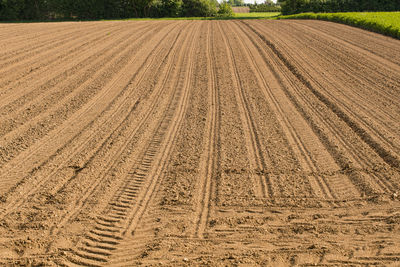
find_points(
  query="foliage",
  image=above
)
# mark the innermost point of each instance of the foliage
(387, 23)
(15, 10)
(199, 8)
(236, 2)
(7, 11)
(265, 8)
(301, 6)
(225, 10)
(171, 8)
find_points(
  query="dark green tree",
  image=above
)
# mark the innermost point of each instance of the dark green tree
(236, 2)
(171, 8)
(269, 3)
(225, 10)
(199, 8)
(11, 9)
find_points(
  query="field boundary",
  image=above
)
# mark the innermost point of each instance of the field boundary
(392, 30)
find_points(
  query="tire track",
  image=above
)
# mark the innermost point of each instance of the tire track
(22, 42)
(292, 183)
(295, 127)
(173, 118)
(88, 91)
(380, 123)
(256, 158)
(86, 141)
(66, 40)
(380, 60)
(44, 144)
(386, 155)
(357, 178)
(377, 44)
(16, 87)
(34, 103)
(23, 38)
(52, 41)
(152, 166)
(323, 123)
(136, 193)
(31, 80)
(209, 158)
(6, 172)
(113, 159)
(29, 65)
(365, 72)
(365, 162)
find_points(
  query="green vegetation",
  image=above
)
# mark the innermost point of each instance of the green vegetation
(387, 23)
(236, 2)
(321, 6)
(199, 8)
(171, 8)
(61, 10)
(225, 10)
(43, 10)
(265, 8)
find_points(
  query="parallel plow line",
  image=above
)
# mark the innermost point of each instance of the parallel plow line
(127, 208)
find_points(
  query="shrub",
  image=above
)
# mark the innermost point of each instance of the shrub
(171, 8)
(225, 10)
(264, 8)
(199, 8)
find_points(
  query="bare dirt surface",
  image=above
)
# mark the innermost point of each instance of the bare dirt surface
(270, 143)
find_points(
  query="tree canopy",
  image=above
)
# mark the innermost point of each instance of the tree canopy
(13, 10)
(236, 2)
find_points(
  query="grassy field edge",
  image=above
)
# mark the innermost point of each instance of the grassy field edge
(255, 15)
(387, 23)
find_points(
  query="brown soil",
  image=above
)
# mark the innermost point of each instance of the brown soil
(268, 143)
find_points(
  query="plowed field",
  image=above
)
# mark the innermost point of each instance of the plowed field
(269, 143)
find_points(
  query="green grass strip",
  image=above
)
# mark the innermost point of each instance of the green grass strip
(387, 23)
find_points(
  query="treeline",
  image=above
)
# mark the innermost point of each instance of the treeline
(318, 6)
(264, 8)
(17, 10)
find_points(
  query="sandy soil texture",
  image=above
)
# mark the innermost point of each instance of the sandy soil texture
(181, 143)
